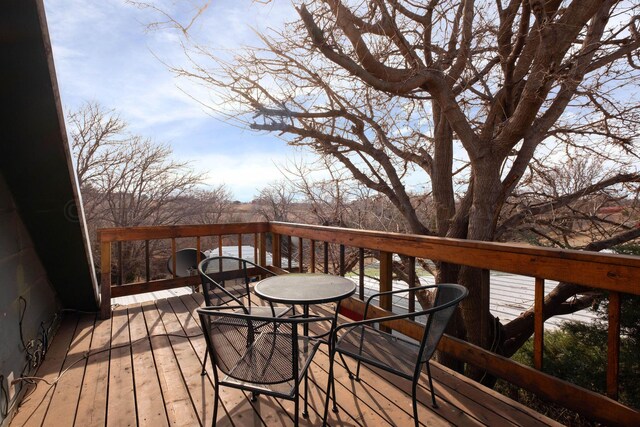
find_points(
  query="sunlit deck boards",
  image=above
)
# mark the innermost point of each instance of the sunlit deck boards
(150, 375)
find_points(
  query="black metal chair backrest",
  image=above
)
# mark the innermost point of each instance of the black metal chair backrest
(248, 348)
(447, 298)
(226, 279)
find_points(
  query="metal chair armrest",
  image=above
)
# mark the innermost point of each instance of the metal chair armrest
(397, 291)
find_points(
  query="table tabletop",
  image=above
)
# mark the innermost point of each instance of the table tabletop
(305, 288)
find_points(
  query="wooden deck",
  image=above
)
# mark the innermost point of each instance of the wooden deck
(137, 368)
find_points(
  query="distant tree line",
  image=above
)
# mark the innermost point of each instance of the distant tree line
(127, 180)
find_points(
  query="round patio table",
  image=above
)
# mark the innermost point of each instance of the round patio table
(306, 289)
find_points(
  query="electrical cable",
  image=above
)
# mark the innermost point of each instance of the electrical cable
(24, 310)
(33, 359)
(4, 411)
(90, 353)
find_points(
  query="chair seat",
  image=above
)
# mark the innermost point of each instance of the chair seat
(268, 367)
(265, 310)
(380, 349)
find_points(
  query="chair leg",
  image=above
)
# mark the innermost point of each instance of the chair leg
(329, 389)
(433, 391)
(344, 362)
(414, 401)
(297, 408)
(305, 412)
(204, 364)
(358, 371)
(215, 407)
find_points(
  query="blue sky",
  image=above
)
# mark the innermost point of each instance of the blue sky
(103, 52)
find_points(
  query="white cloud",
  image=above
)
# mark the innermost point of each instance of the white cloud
(243, 174)
(103, 53)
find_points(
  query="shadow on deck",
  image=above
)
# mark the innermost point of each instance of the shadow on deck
(138, 368)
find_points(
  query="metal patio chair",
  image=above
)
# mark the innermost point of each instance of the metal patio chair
(366, 344)
(226, 280)
(263, 355)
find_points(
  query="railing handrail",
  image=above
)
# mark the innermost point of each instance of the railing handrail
(601, 271)
(124, 234)
(614, 272)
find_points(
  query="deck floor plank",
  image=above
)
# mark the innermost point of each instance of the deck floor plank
(199, 388)
(150, 409)
(92, 404)
(154, 379)
(121, 405)
(180, 410)
(64, 402)
(34, 406)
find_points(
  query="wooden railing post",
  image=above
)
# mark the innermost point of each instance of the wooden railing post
(538, 323)
(105, 280)
(312, 255)
(262, 250)
(386, 279)
(613, 345)
(277, 255)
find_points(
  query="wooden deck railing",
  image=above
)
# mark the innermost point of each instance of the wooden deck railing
(616, 274)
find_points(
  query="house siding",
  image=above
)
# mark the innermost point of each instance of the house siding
(21, 275)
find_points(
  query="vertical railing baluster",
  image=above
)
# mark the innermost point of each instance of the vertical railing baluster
(412, 284)
(300, 255)
(239, 245)
(120, 265)
(342, 266)
(361, 273)
(289, 252)
(613, 345)
(220, 245)
(262, 239)
(538, 319)
(196, 287)
(147, 263)
(173, 257)
(326, 257)
(312, 255)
